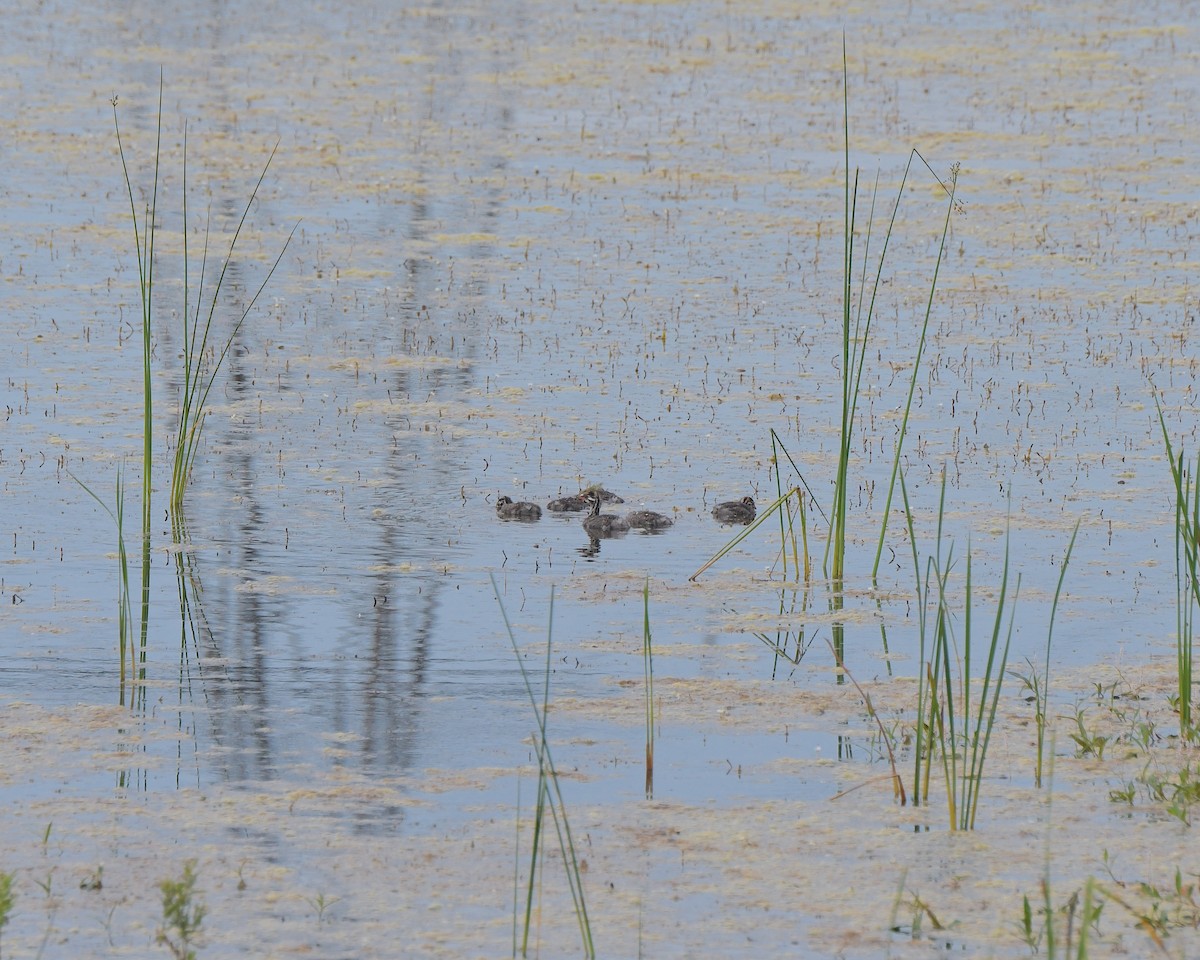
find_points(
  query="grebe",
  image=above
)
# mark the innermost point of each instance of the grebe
(648, 520)
(735, 511)
(599, 524)
(507, 510)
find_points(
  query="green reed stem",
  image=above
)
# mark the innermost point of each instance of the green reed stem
(144, 245)
(912, 383)
(1041, 686)
(648, 670)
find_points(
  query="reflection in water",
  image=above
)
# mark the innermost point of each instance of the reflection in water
(590, 551)
(330, 643)
(789, 643)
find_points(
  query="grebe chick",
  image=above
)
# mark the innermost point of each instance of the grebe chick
(599, 524)
(648, 520)
(507, 510)
(567, 505)
(607, 496)
(578, 501)
(735, 511)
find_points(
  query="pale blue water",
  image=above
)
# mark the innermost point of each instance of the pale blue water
(541, 247)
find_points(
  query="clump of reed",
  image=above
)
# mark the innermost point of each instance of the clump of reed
(198, 338)
(1186, 483)
(202, 357)
(862, 277)
(858, 313)
(549, 803)
(950, 722)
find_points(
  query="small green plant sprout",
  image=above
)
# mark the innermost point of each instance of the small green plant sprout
(183, 912)
(7, 899)
(920, 913)
(1087, 744)
(1052, 930)
(321, 903)
(47, 885)
(1178, 793)
(1157, 910)
(1124, 793)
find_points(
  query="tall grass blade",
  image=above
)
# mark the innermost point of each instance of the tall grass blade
(197, 331)
(1041, 686)
(742, 534)
(648, 669)
(144, 245)
(124, 606)
(912, 383)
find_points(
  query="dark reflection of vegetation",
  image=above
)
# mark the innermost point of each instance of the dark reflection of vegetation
(844, 743)
(788, 644)
(192, 625)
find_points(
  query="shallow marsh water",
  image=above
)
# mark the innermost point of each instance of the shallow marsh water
(542, 246)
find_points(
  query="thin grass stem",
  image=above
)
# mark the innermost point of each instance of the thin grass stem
(648, 670)
(746, 531)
